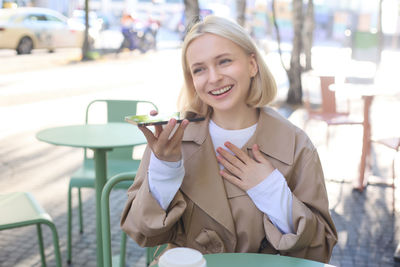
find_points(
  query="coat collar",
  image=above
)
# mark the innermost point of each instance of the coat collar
(273, 135)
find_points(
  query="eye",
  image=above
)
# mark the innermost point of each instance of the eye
(225, 60)
(197, 70)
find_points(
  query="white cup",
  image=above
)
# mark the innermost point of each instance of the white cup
(182, 257)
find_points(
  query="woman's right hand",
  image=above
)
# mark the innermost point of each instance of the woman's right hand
(164, 146)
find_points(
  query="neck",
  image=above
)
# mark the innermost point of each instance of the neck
(235, 120)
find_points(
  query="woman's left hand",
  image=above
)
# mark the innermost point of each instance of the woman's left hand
(245, 172)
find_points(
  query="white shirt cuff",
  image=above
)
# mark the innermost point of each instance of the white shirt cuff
(165, 179)
(273, 197)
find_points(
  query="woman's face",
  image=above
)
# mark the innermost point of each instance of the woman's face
(221, 72)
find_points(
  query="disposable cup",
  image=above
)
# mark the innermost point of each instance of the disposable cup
(182, 257)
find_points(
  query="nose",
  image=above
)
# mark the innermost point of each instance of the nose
(214, 75)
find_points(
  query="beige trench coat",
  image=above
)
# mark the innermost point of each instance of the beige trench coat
(213, 216)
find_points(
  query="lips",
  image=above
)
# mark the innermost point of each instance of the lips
(221, 91)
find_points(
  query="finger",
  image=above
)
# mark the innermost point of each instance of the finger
(234, 180)
(238, 152)
(158, 130)
(233, 169)
(148, 135)
(177, 138)
(233, 159)
(257, 154)
(166, 131)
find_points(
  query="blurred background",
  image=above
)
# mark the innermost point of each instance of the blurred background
(56, 56)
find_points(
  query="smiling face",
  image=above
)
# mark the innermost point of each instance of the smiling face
(221, 72)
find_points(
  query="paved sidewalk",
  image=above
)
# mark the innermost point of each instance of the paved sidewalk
(366, 227)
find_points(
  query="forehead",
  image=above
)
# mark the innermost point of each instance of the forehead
(208, 46)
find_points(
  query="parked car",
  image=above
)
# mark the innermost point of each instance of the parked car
(27, 28)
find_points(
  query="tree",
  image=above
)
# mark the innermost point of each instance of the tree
(308, 34)
(380, 32)
(85, 47)
(303, 28)
(192, 12)
(241, 12)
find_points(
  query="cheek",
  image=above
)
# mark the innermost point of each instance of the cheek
(198, 84)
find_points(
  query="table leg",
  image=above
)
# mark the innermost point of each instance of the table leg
(366, 146)
(100, 162)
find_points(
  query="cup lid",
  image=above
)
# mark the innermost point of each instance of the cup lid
(182, 257)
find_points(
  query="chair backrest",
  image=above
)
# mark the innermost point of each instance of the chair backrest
(328, 96)
(105, 217)
(316, 91)
(111, 183)
(116, 112)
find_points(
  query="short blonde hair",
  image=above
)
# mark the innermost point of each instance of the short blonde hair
(263, 86)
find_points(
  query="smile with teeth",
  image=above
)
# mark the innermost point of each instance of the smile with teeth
(221, 91)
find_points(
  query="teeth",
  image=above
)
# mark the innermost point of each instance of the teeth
(221, 91)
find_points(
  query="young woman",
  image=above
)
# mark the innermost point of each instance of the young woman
(243, 180)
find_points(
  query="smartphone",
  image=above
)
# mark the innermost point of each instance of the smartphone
(147, 120)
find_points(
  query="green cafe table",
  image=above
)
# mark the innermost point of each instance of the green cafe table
(100, 138)
(258, 260)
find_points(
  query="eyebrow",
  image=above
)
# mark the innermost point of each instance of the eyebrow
(217, 57)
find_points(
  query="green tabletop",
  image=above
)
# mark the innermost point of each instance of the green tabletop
(100, 138)
(108, 135)
(257, 260)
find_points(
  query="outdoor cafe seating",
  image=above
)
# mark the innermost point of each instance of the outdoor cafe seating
(119, 260)
(118, 160)
(21, 209)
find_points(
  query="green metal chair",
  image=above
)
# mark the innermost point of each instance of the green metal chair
(118, 160)
(119, 260)
(21, 209)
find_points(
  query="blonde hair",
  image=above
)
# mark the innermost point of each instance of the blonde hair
(262, 88)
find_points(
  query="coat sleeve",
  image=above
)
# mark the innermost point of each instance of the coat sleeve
(315, 234)
(144, 220)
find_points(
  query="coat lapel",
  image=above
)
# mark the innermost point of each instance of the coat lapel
(274, 137)
(203, 184)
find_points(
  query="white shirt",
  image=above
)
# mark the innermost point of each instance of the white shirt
(272, 196)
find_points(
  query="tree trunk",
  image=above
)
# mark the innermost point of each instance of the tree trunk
(241, 12)
(295, 93)
(308, 34)
(380, 33)
(85, 47)
(192, 12)
(278, 34)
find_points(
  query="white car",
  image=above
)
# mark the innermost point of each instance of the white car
(27, 28)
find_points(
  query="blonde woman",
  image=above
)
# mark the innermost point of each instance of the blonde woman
(244, 179)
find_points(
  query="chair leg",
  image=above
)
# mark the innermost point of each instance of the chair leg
(55, 243)
(327, 135)
(41, 247)
(80, 211)
(69, 227)
(393, 184)
(122, 249)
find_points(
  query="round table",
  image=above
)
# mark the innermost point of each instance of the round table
(258, 260)
(100, 138)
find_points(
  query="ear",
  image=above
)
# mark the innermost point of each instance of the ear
(253, 65)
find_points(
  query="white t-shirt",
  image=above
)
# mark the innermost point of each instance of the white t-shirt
(272, 196)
